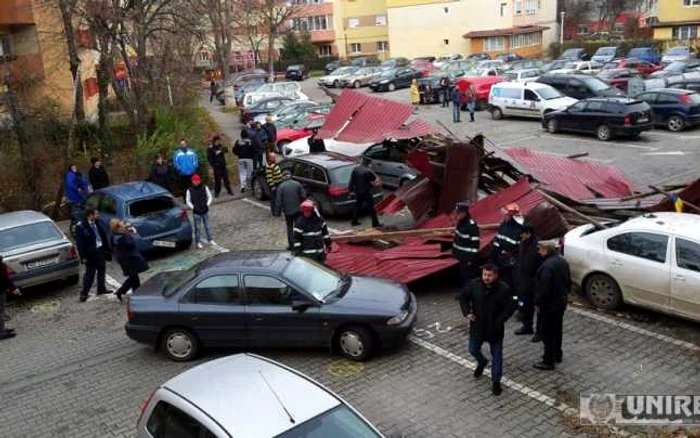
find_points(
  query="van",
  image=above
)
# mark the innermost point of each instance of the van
(274, 89)
(579, 86)
(530, 99)
(648, 54)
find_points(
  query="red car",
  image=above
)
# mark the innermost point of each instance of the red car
(423, 66)
(300, 129)
(482, 87)
(645, 68)
(618, 77)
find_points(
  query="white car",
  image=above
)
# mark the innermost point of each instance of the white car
(274, 89)
(526, 99)
(301, 147)
(526, 75)
(294, 106)
(585, 67)
(650, 261)
(334, 79)
(248, 396)
(444, 59)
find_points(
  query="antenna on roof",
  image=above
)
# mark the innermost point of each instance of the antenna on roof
(291, 419)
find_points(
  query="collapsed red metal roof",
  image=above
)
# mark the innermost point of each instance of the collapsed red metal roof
(360, 118)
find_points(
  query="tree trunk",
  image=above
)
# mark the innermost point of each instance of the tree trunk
(103, 80)
(270, 54)
(66, 16)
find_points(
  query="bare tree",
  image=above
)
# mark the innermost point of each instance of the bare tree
(276, 15)
(221, 16)
(250, 26)
(67, 8)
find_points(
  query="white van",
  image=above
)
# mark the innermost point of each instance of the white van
(274, 89)
(530, 99)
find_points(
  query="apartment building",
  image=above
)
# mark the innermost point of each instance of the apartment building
(318, 18)
(362, 28)
(677, 19)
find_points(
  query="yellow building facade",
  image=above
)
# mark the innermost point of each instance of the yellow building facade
(678, 20)
(361, 28)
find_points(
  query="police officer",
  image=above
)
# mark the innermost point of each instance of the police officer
(465, 246)
(311, 238)
(504, 250)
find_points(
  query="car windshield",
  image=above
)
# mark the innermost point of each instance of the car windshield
(472, 73)
(339, 422)
(675, 51)
(312, 278)
(301, 122)
(344, 71)
(295, 67)
(549, 93)
(177, 279)
(388, 73)
(511, 76)
(145, 207)
(288, 109)
(364, 71)
(595, 84)
(611, 65)
(26, 235)
(606, 51)
(676, 66)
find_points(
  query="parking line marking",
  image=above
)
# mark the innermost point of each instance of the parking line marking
(600, 143)
(518, 140)
(505, 381)
(663, 153)
(266, 207)
(634, 328)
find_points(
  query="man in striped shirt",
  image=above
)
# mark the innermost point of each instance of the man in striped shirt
(273, 177)
(311, 238)
(465, 247)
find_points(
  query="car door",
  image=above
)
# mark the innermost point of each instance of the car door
(215, 310)
(639, 262)
(405, 77)
(665, 105)
(685, 278)
(595, 114)
(531, 106)
(569, 119)
(272, 322)
(379, 162)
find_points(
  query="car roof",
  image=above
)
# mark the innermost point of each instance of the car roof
(682, 224)
(623, 100)
(328, 160)
(134, 190)
(238, 389)
(530, 85)
(19, 218)
(672, 91)
(273, 260)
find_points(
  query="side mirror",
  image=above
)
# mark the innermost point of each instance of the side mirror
(300, 306)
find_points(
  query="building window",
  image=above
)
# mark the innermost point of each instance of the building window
(382, 46)
(355, 48)
(446, 10)
(530, 7)
(380, 20)
(504, 9)
(447, 42)
(306, 2)
(353, 22)
(582, 29)
(493, 43)
(529, 39)
(691, 2)
(325, 51)
(685, 32)
(319, 22)
(6, 45)
(518, 7)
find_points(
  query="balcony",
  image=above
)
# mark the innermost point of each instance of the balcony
(312, 10)
(14, 12)
(322, 36)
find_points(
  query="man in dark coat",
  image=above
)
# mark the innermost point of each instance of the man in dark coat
(552, 286)
(98, 175)
(6, 286)
(310, 233)
(94, 249)
(271, 132)
(316, 145)
(488, 303)
(465, 247)
(504, 250)
(216, 155)
(160, 174)
(258, 137)
(456, 98)
(445, 91)
(362, 181)
(290, 194)
(528, 262)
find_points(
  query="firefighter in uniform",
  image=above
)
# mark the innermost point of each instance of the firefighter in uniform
(465, 247)
(504, 250)
(310, 233)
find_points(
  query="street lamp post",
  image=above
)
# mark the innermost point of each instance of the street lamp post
(561, 29)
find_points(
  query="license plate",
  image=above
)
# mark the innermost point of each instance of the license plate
(34, 264)
(164, 244)
(642, 119)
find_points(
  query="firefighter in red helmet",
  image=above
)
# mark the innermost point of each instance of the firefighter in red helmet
(310, 233)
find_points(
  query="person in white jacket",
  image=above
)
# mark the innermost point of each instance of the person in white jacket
(198, 199)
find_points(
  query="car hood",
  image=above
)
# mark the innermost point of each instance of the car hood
(375, 295)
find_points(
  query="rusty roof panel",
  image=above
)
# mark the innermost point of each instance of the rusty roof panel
(419, 195)
(345, 106)
(375, 120)
(461, 180)
(413, 129)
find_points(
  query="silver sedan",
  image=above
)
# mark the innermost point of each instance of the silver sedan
(362, 77)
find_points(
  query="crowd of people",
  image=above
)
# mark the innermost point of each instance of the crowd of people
(423, 94)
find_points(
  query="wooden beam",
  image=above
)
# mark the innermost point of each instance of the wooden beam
(565, 207)
(574, 156)
(364, 236)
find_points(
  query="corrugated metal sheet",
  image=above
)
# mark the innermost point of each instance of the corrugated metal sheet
(413, 129)
(461, 180)
(575, 179)
(345, 106)
(418, 195)
(690, 194)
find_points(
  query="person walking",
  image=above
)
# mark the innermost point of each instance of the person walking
(160, 173)
(504, 250)
(212, 90)
(243, 149)
(362, 182)
(259, 140)
(186, 163)
(129, 258)
(445, 91)
(271, 132)
(94, 250)
(198, 199)
(465, 247)
(552, 286)
(456, 98)
(98, 175)
(273, 177)
(415, 93)
(7, 286)
(471, 101)
(216, 155)
(528, 263)
(290, 195)
(310, 233)
(76, 189)
(487, 303)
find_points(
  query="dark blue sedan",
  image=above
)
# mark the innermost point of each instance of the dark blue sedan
(673, 108)
(160, 220)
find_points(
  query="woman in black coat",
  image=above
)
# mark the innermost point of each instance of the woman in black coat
(160, 173)
(129, 258)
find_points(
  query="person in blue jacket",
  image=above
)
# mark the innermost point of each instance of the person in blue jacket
(76, 189)
(186, 163)
(456, 98)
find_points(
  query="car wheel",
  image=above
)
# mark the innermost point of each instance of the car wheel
(186, 244)
(336, 84)
(259, 189)
(391, 86)
(603, 292)
(552, 126)
(179, 344)
(73, 279)
(496, 113)
(356, 84)
(603, 132)
(675, 123)
(356, 343)
(481, 105)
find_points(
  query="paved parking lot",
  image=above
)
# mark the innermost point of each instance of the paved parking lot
(72, 372)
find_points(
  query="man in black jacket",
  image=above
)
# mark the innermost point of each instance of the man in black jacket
(362, 181)
(465, 247)
(216, 155)
(290, 194)
(504, 250)
(271, 132)
(6, 286)
(94, 249)
(488, 303)
(552, 286)
(311, 238)
(528, 262)
(98, 175)
(245, 152)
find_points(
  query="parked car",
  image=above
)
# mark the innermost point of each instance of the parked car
(253, 397)
(578, 67)
(526, 100)
(508, 57)
(248, 87)
(291, 107)
(482, 87)
(478, 57)
(300, 129)
(618, 77)
(394, 63)
(605, 117)
(422, 66)
(674, 109)
(333, 66)
(606, 54)
(296, 72)
(389, 164)
(425, 58)
(263, 107)
(301, 114)
(526, 64)
(361, 77)
(275, 89)
(651, 261)
(442, 59)
(333, 79)
(644, 67)
(554, 65)
(490, 64)
(255, 299)
(160, 220)
(365, 61)
(677, 53)
(677, 68)
(580, 86)
(529, 75)
(648, 54)
(392, 79)
(35, 251)
(301, 147)
(688, 81)
(575, 53)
